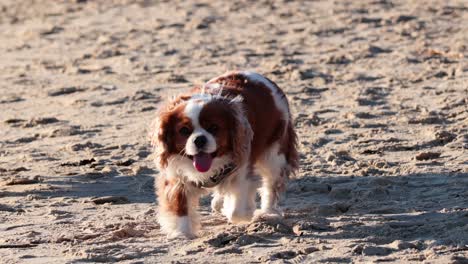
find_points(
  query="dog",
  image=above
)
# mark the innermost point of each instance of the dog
(223, 137)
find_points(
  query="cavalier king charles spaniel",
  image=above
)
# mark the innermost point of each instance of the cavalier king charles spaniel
(232, 136)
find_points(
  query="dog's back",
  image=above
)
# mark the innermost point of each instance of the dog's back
(267, 109)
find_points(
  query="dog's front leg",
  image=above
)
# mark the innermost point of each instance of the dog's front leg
(217, 202)
(177, 208)
(239, 197)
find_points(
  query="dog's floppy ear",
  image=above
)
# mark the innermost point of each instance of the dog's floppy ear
(241, 134)
(162, 131)
(161, 137)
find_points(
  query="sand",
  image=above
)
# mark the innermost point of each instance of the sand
(379, 90)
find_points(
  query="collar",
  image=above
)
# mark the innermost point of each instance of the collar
(216, 179)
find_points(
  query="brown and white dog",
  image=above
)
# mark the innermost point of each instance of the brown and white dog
(220, 138)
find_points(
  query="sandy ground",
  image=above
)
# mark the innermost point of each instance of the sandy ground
(379, 90)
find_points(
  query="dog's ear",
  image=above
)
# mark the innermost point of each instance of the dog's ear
(161, 137)
(162, 130)
(241, 134)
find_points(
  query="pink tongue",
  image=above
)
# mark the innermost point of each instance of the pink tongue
(202, 162)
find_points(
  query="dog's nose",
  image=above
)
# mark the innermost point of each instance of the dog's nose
(200, 141)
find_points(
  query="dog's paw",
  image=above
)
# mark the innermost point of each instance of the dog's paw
(267, 213)
(178, 227)
(240, 216)
(177, 234)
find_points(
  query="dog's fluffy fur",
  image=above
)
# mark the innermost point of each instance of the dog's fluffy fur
(242, 118)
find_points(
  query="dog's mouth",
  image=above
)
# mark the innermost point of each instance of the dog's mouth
(202, 161)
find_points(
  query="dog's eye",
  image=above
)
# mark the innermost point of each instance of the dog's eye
(185, 131)
(213, 129)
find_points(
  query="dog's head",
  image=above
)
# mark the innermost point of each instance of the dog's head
(203, 130)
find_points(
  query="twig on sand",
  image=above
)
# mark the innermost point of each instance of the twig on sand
(19, 181)
(110, 199)
(17, 245)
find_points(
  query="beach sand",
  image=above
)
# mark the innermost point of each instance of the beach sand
(378, 89)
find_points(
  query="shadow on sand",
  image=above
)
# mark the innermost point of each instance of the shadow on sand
(381, 209)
